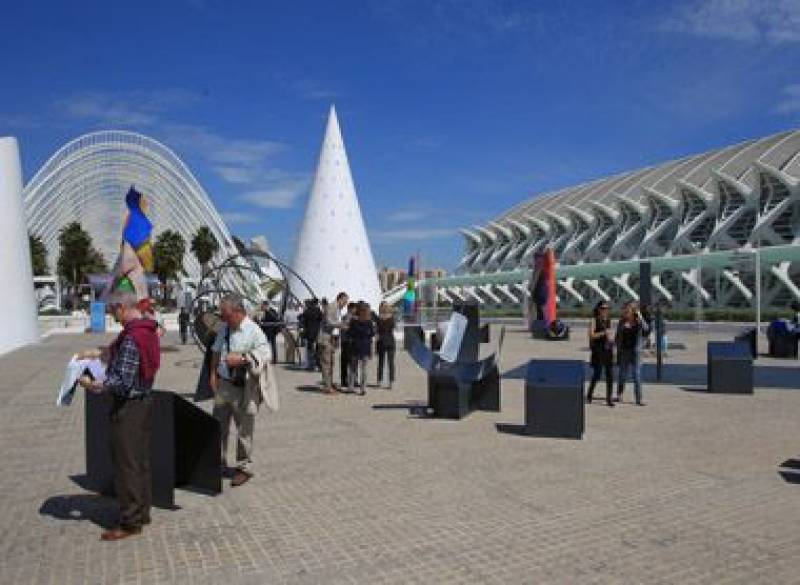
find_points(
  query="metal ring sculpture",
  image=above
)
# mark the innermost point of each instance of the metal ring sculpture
(215, 284)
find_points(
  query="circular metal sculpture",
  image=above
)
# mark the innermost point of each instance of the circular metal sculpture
(244, 270)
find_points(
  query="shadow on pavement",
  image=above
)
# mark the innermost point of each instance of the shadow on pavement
(97, 509)
(694, 375)
(511, 429)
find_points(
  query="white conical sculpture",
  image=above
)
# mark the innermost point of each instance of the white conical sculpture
(333, 252)
(20, 325)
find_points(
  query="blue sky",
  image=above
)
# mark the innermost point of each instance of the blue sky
(452, 110)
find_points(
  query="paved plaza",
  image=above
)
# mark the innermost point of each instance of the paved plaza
(361, 490)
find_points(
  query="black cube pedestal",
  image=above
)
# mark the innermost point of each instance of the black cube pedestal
(730, 367)
(446, 397)
(184, 447)
(554, 399)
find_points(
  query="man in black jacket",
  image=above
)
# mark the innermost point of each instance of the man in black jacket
(310, 321)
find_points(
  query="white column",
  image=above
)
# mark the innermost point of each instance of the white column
(20, 325)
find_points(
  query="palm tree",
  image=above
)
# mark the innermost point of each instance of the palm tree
(38, 255)
(77, 256)
(168, 253)
(204, 247)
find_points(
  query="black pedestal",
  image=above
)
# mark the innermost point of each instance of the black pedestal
(184, 447)
(783, 345)
(447, 398)
(749, 337)
(554, 399)
(730, 367)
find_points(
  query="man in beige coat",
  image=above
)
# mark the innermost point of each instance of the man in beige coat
(331, 326)
(242, 379)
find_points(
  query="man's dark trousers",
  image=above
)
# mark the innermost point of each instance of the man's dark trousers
(131, 428)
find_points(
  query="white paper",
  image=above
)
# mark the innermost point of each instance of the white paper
(453, 337)
(75, 369)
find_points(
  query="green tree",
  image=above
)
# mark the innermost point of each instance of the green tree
(77, 255)
(168, 253)
(38, 255)
(204, 246)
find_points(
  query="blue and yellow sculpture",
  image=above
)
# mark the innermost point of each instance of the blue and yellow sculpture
(136, 251)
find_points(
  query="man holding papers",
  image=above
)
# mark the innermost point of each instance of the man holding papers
(133, 361)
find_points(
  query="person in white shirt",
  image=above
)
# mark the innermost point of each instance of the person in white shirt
(236, 344)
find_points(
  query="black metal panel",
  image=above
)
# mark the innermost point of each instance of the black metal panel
(184, 447)
(470, 343)
(729, 367)
(411, 333)
(554, 398)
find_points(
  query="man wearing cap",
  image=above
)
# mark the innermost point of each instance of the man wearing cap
(134, 359)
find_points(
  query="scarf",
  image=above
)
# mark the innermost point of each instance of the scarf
(143, 333)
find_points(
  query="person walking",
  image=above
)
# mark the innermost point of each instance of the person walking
(271, 324)
(631, 330)
(602, 350)
(239, 348)
(344, 355)
(133, 362)
(310, 321)
(360, 331)
(328, 340)
(183, 324)
(384, 324)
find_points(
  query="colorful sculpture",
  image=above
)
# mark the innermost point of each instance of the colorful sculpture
(410, 296)
(136, 251)
(542, 292)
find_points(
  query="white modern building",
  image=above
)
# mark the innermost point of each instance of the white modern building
(705, 222)
(87, 179)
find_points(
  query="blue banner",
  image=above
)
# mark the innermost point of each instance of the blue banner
(98, 317)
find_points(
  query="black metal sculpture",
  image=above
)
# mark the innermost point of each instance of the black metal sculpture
(457, 388)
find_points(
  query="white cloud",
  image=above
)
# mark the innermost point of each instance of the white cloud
(773, 21)
(791, 101)
(407, 215)
(238, 217)
(413, 234)
(279, 193)
(136, 108)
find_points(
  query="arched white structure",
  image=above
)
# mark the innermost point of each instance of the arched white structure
(86, 181)
(743, 198)
(16, 279)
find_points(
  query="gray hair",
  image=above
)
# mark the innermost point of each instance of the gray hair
(233, 301)
(123, 298)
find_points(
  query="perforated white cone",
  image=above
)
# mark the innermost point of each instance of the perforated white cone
(333, 252)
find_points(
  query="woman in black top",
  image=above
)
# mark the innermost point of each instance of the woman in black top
(360, 332)
(602, 357)
(385, 346)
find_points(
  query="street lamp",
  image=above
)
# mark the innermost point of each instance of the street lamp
(757, 257)
(698, 306)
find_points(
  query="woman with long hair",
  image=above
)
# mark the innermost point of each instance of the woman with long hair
(602, 356)
(385, 346)
(631, 331)
(360, 331)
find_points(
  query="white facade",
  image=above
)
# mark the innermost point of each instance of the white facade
(87, 179)
(16, 277)
(743, 197)
(333, 253)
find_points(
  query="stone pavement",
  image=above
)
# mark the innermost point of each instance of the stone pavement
(685, 490)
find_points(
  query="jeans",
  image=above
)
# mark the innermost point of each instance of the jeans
(388, 354)
(597, 372)
(630, 361)
(311, 354)
(358, 373)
